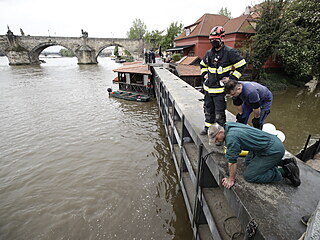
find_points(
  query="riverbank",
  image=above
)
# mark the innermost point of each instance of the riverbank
(281, 81)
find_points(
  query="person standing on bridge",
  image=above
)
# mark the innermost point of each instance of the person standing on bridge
(250, 97)
(265, 165)
(220, 63)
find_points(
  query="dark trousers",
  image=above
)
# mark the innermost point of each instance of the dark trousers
(262, 166)
(265, 110)
(214, 108)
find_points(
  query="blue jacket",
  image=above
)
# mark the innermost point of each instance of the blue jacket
(253, 94)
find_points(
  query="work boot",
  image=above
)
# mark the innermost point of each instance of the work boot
(285, 161)
(305, 219)
(204, 131)
(292, 173)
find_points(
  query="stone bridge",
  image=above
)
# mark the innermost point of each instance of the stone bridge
(25, 50)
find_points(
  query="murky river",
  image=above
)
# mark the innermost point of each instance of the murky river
(78, 165)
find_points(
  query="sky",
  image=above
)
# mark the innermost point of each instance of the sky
(103, 18)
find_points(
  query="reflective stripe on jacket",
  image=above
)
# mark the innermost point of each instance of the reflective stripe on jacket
(226, 62)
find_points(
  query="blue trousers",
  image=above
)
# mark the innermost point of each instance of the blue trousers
(265, 110)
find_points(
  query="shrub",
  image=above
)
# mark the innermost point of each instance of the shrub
(176, 57)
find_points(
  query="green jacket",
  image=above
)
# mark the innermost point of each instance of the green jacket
(239, 137)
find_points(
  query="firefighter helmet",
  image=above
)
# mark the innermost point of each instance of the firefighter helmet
(217, 32)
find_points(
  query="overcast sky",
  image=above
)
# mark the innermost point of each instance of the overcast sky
(103, 18)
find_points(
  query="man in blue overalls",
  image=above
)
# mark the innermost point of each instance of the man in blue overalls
(250, 97)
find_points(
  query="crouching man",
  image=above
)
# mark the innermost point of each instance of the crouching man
(264, 165)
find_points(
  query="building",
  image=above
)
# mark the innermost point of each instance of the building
(238, 31)
(194, 40)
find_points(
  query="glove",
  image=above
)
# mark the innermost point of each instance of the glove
(239, 118)
(256, 123)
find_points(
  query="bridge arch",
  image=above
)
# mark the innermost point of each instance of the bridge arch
(36, 51)
(110, 45)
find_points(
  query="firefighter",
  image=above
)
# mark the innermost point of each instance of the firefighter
(219, 64)
(250, 97)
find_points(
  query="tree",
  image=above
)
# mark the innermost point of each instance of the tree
(116, 51)
(154, 38)
(299, 44)
(172, 32)
(268, 31)
(66, 52)
(225, 12)
(138, 29)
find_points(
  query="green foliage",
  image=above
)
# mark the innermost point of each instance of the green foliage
(138, 29)
(129, 58)
(275, 81)
(176, 57)
(116, 51)
(66, 53)
(269, 28)
(127, 53)
(225, 12)
(299, 45)
(174, 30)
(154, 38)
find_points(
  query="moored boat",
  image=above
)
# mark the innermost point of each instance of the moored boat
(130, 96)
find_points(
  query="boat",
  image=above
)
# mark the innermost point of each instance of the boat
(119, 60)
(130, 96)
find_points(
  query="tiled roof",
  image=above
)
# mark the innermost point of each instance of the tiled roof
(188, 70)
(135, 67)
(203, 25)
(239, 24)
(187, 60)
(131, 63)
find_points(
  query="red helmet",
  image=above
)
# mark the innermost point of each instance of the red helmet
(216, 32)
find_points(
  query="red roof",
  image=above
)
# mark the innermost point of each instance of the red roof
(239, 25)
(135, 67)
(188, 70)
(187, 60)
(203, 25)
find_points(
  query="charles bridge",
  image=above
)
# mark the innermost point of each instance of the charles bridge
(25, 50)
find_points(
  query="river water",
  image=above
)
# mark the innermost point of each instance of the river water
(78, 165)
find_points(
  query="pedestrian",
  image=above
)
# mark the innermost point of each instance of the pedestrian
(219, 63)
(250, 97)
(146, 57)
(265, 165)
(153, 56)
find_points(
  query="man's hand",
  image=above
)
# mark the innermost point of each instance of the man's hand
(256, 123)
(240, 118)
(225, 79)
(227, 182)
